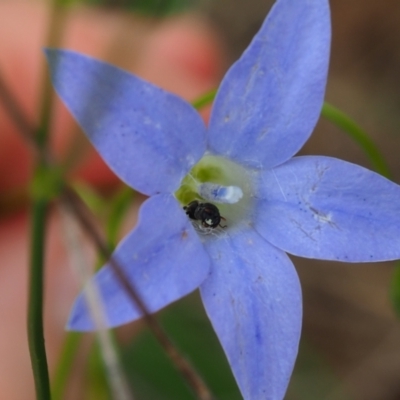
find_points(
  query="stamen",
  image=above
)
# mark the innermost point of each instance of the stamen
(220, 194)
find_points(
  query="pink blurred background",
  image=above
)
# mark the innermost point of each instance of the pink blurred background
(348, 316)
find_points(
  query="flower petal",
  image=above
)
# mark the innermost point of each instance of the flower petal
(149, 138)
(271, 98)
(163, 259)
(253, 299)
(322, 207)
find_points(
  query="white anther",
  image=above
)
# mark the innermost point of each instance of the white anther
(220, 194)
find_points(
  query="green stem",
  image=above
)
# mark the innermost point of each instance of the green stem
(205, 99)
(338, 118)
(35, 301)
(119, 207)
(54, 34)
(345, 123)
(39, 213)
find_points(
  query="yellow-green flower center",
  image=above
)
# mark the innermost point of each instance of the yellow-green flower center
(221, 182)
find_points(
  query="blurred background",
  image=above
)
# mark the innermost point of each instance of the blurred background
(351, 337)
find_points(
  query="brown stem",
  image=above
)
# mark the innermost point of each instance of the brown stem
(25, 128)
(81, 212)
(180, 362)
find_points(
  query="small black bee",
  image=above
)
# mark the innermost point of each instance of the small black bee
(207, 213)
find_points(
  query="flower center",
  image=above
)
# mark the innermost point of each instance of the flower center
(216, 187)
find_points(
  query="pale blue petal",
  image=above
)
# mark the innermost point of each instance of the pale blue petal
(148, 137)
(253, 299)
(322, 207)
(163, 259)
(270, 100)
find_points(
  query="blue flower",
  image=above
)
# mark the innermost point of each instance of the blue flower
(270, 202)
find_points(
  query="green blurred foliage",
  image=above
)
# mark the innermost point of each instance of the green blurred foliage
(153, 377)
(96, 379)
(395, 289)
(148, 7)
(313, 379)
(151, 373)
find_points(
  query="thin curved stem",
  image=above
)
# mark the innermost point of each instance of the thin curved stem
(346, 124)
(80, 211)
(39, 221)
(185, 368)
(35, 301)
